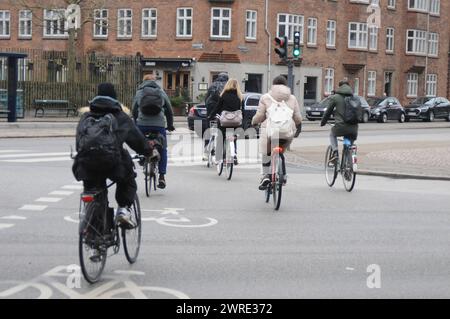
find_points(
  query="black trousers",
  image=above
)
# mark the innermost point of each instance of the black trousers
(125, 189)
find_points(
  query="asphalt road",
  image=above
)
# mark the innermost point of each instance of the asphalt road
(205, 237)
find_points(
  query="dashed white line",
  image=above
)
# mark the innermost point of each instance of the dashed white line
(48, 199)
(14, 217)
(33, 207)
(37, 160)
(3, 226)
(61, 193)
(78, 187)
(349, 268)
(33, 155)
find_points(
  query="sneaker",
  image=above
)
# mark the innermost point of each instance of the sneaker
(235, 160)
(205, 157)
(265, 181)
(124, 218)
(161, 181)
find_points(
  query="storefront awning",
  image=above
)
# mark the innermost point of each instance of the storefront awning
(167, 63)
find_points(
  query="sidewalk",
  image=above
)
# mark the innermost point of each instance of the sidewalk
(397, 160)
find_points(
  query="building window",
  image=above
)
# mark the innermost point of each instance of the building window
(433, 44)
(23, 73)
(55, 24)
(3, 69)
(100, 23)
(125, 23)
(416, 42)
(373, 38)
(312, 31)
(418, 5)
(413, 81)
(149, 23)
(184, 22)
(5, 21)
(331, 33)
(288, 24)
(371, 83)
(390, 33)
(356, 86)
(391, 4)
(221, 23)
(25, 23)
(329, 81)
(435, 7)
(250, 25)
(357, 35)
(431, 85)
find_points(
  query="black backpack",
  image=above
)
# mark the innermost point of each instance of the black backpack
(151, 102)
(352, 110)
(98, 146)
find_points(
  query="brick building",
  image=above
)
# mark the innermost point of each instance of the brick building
(188, 42)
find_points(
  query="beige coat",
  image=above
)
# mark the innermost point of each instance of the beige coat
(279, 93)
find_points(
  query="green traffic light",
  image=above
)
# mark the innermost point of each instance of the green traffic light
(296, 53)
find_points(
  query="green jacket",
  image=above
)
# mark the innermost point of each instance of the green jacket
(336, 104)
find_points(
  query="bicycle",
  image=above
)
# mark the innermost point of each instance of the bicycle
(99, 231)
(150, 166)
(228, 161)
(211, 147)
(347, 166)
(278, 180)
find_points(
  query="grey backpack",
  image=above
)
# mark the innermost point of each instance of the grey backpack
(151, 102)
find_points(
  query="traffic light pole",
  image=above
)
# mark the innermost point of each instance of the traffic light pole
(290, 64)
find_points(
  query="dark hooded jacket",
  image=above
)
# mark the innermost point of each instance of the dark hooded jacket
(127, 132)
(214, 91)
(229, 101)
(336, 104)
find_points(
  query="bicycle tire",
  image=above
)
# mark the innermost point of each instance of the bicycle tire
(330, 173)
(148, 179)
(131, 238)
(229, 169)
(277, 182)
(348, 175)
(219, 168)
(154, 173)
(267, 193)
(85, 245)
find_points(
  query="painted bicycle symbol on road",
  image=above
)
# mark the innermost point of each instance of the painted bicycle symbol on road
(118, 285)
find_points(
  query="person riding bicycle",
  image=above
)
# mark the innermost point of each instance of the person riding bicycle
(279, 92)
(336, 104)
(230, 100)
(103, 105)
(152, 113)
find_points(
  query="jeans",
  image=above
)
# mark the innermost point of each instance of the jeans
(161, 130)
(125, 189)
(333, 141)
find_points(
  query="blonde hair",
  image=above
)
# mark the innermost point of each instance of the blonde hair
(232, 84)
(149, 76)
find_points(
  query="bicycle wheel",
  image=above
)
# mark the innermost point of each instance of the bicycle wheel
(148, 178)
(330, 167)
(348, 175)
(91, 247)
(209, 150)
(277, 183)
(229, 162)
(267, 192)
(132, 237)
(154, 173)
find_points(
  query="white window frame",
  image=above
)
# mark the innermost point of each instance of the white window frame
(419, 44)
(390, 40)
(3, 68)
(50, 16)
(361, 34)
(25, 24)
(292, 23)
(251, 23)
(371, 83)
(432, 85)
(148, 21)
(331, 34)
(221, 20)
(435, 7)
(184, 20)
(433, 44)
(360, 1)
(373, 38)
(312, 31)
(329, 81)
(122, 23)
(100, 23)
(356, 86)
(391, 4)
(412, 84)
(5, 21)
(418, 5)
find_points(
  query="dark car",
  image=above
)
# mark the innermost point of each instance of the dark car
(383, 109)
(198, 112)
(428, 109)
(317, 110)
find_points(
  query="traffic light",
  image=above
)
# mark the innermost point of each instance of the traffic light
(297, 50)
(282, 49)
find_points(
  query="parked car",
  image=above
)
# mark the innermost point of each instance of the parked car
(428, 109)
(198, 112)
(383, 109)
(317, 110)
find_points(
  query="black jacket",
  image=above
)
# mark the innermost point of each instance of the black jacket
(127, 132)
(229, 101)
(214, 91)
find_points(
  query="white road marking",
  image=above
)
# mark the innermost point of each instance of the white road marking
(3, 226)
(48, 199)
(14, 217)
(33, 155)
(33, 207)
(61, 193)
(10, 151)
(38, 160)
(350, 268)
(77, 187)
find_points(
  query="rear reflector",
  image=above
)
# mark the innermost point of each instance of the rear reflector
(87, 198)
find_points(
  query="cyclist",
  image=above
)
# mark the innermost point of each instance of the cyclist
(122, 173)
(230, 100)
(336, 104)
(154, 121)
(279, 92)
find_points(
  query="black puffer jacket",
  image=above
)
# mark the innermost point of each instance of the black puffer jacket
(214, 91)
(229, 101)
(127, 132)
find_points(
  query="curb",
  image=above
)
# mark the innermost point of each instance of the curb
(402, 175)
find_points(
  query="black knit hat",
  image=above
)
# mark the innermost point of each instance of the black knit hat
(107, 89)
